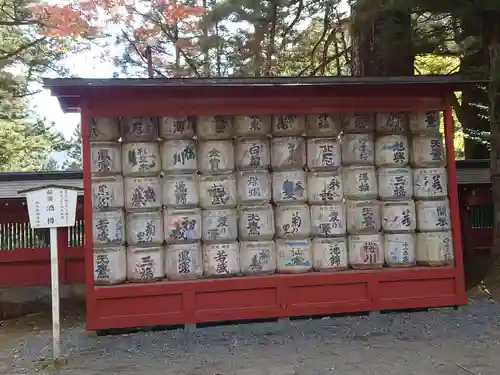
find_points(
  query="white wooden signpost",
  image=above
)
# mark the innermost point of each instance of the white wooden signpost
(52, 206)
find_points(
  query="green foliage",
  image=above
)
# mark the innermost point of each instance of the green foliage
(74, 151)
(21, 47)
(26, 141)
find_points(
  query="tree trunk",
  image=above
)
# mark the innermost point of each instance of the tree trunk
(491, 39)
(271, 40)
(382, 44)
(205, 43)
(469, 115)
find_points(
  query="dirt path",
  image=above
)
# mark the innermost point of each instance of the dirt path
(446, 342)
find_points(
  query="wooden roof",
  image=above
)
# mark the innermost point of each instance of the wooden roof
(70, 90)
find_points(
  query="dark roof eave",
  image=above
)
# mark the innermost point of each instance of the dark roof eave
(41, 176)
(455, 81)
(49, 186)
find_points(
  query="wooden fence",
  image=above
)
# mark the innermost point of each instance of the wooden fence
(25, 253)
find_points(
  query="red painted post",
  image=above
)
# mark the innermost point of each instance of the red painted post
(454, 204)
(87, 212)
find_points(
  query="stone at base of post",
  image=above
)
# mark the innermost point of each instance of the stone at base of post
(51, 364)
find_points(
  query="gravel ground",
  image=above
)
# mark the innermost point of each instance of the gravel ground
(443, 341)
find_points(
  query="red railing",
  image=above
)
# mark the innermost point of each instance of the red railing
(25, 253)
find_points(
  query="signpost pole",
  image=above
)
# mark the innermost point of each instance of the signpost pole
(53, 206)
(54, 272)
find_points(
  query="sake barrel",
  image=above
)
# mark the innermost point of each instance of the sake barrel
(110, 265)
(254, 186)
(325, 187)
(363, 217)
(288, 153)
(256, 222)
(104, 129)
(324, 125)
(435, 249)
(293, 221)
(180, 190)
(428, 151)
(399, 249)
(177, 127)
(391, 150)
(142, 193)
(294, 256)
(217, 191)
(179, 155)
(366, 251)
(221, 259)
(395, 183)
(328, 220)
(183, 261)
(145, 264)
(359, 123)
(141, 159)
(139, 129)
(257, 257)
(330, 254)
(430, 183)
(107, 193)
(253, 153)
(215, 156)
(289, 186)
(323, 153)
(358, 149)
(252, 126)
(360, 182)
(288, 125)
(214, 127)
(145, 228)
(398, 216)
(182, 225)
(219, 225)
(391, 122)
(433, 216)
(425, 122)
(108, 228)
(105, 158)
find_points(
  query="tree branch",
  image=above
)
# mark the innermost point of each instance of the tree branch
(292, 24)
(181, 51)
(141, 54)
(7, 55)
(326, 23)
(326, 62)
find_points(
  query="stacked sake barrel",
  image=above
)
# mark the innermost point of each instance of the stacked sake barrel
(108, 217)
(141, 163)
(217, 187)
(434, 241)
(361, 192)
(181, 215)
(289, 192)
(325, 193)
(395, 188)
(256, 226)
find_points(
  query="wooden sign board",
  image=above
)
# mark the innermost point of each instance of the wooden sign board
(51, 207)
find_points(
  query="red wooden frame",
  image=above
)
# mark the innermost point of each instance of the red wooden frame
(174, 302)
